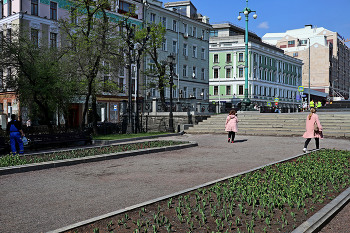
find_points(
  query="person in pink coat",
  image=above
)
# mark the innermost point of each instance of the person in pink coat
(310, 133)
(231, 125)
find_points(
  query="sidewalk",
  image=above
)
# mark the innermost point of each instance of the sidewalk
(45, 200)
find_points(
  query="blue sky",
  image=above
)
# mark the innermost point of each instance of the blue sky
(281, 15)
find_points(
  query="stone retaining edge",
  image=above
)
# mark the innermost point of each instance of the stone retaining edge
(94, 158)
(91, 220)
(108, 142)
(312, 224)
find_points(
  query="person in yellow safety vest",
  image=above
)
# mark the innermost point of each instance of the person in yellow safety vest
(312, 105)
(319, 104)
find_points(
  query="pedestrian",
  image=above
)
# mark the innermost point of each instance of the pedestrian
(231, 126)
(311, 119)
(15, 129)
(319, 104)
(312, 104)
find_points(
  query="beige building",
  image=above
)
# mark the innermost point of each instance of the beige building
(329, 58)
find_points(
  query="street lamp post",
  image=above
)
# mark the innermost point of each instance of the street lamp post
(171, 60)
(246, 12)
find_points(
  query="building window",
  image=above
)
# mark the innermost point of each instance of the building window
(53, 10)
(185, 92)
(195, 92)
(164, 44)
(185, 28)
(194, 32)
(34, 7)
(240, 57)
(266, 77)
(216, 73)
(203, 74)
(255, 57)
(213, 33)
(216, 90)
(216, 58)
(174, 25)
(203, 34)
(295, 54)
(260, 59)
(153, 18)
(228, 57)
(194, 52)
(73, 15)
(240, 72)
(121, 85)
(174, 47)
(9, 7)
(303, 42)
(291, 42)
(185, 50)
(194, 74)
(265, 60)
(270, 62)
(53, 40)
(228, 73)
(184, 72)
(164, 22)
(174, 68)
(228, 90)
(240, 90)
(34, 35)
(203, 54)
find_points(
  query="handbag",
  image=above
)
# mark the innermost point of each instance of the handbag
(25, 141)
(316, 129)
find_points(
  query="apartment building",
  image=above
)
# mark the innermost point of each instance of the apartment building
(40, 17)
(329, 58)
(187, 36)
(271, 73)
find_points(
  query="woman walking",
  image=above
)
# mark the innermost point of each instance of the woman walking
(231, 126)
(311, 119)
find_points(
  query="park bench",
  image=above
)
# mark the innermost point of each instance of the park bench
(4, 145)
(61, 139)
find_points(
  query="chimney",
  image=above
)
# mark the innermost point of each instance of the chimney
(309, 26)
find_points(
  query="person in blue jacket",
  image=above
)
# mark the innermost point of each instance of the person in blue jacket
(16, 134)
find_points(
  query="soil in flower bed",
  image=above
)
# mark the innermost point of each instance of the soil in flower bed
(10, 160)
(276, 198)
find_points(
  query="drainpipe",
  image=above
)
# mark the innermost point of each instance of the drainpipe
(178, 60)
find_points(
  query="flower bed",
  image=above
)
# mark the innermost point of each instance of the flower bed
(10, 160)
(276, 198)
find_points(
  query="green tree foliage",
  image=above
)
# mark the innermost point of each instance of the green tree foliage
(157, 70)
(95, 46)
(35, 72)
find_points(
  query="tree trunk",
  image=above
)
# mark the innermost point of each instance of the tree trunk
(94, 114)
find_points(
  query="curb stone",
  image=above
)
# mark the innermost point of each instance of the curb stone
(317, 219)
(314, 223)
(94, 158)
(108, 142)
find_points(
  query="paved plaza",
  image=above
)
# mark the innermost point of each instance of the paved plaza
(45, 200)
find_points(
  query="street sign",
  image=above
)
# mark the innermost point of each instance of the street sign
(276, 100)
(115, 107)
(301, 88)
(276, 103)
(269, 104)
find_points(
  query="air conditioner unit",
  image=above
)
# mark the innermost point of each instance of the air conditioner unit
(186, 34)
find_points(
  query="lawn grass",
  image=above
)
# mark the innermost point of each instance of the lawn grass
(124, 136)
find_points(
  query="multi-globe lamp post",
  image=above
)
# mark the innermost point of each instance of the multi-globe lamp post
(246, 12)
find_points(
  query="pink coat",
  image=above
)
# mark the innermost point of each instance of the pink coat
(231, 123)
(310, 127)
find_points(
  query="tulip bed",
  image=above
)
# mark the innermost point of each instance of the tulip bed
(10, 160)
(276, 198)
